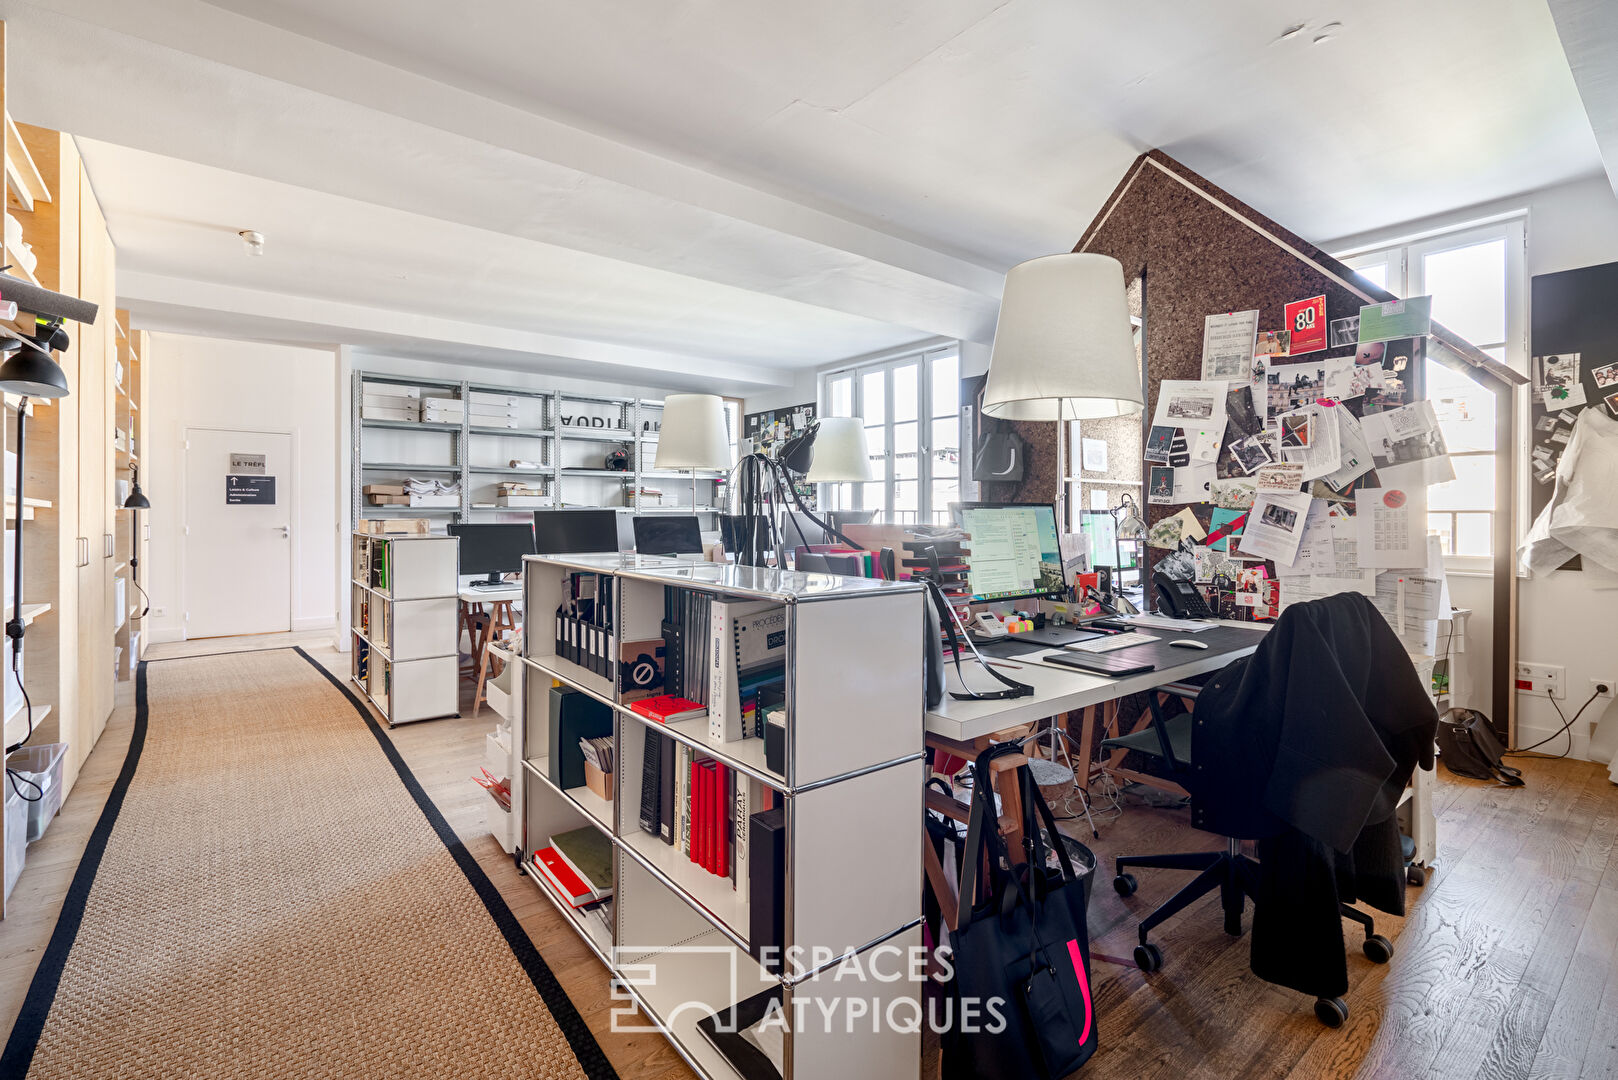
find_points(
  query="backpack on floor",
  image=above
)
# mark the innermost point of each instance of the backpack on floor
(1468, 746)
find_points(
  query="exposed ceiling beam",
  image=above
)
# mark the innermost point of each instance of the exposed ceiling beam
(1588, 30)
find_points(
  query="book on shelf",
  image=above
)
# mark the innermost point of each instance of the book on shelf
(561, 877)
(746, 648)
(588, 854)
(766, 909)
(666, 707)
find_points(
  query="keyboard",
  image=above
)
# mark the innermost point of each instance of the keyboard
(1112, 642)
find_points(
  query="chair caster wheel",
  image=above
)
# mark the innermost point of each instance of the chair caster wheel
(1331, 1011)
(1125, 884)
(1233, 924)
(1416, 875)
(1148, 958)
(1378, 949)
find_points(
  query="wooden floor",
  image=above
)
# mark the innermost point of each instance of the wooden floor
(1507, 965)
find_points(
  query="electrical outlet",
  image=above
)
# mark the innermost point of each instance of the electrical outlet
(1542, 680)
(1596, 684)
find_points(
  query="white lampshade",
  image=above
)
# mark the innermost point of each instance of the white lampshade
(693, 435)
(1064, 347)
(841, 455)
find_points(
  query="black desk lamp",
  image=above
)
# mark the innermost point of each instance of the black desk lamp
(29, 371)
(137, 502)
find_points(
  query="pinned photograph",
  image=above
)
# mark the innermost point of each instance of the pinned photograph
(1158, 441)
(1235, 493)
(1606, 378)
(1407, 446)
(1372, 353)
(1279, 516)
(1168, 533)
(1345, 332)
(1297, 430)
(1273, 343)
(1550, 372)
(1251, 453)
(1160, 487)
(1612, 403)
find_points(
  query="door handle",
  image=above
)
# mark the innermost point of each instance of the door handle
(286, 531)
(106, 542)
(84, 551)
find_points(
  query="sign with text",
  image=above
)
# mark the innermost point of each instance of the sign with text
(249, 490)
(246, 464)
(1306, 319)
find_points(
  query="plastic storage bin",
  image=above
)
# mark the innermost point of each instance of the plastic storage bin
(16, 825)
(43, 765)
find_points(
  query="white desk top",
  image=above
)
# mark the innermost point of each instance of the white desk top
(1056, 690)
(510, 591)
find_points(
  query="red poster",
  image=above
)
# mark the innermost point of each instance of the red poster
(1307, 321)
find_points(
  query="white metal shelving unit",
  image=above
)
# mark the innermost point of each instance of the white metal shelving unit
(678, 936)
(405, 627)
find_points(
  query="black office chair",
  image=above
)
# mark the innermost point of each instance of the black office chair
(1168, 740)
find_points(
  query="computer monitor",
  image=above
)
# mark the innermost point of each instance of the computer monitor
(580, 532)
(493, 549)
(798, 531)
(840, 518)
(1013, 550)
(668, 534)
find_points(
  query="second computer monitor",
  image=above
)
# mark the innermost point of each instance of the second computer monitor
(580, 532)
(1013, 550)
(667, 534)
(493, 549)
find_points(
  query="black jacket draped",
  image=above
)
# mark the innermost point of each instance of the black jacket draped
(1306, 747)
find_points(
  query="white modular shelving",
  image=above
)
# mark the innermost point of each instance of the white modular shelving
(677, 936)
(405, 625)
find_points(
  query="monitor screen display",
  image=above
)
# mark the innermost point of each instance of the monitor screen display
(1012, 550)
(493, 549)
(798, 531)
(671, 534)
(578, 532)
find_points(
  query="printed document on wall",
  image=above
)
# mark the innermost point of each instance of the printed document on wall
(1392, 526)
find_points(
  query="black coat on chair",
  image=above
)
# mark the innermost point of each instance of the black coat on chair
(1307, 746)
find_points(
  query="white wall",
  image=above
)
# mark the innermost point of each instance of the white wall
(1560, 619)
(234, 385)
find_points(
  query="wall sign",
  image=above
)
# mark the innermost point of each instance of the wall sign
(249, 490)
(246, 464)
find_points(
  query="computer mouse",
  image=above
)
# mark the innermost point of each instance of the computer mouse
(1186, 643)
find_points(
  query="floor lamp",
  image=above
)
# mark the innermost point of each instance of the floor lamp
(136, 502)
(29, 371)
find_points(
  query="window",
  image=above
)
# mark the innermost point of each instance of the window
(733, 425)
(1475, 276)
(911, 408)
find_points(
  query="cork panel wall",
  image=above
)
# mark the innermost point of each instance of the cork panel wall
(1196, 260)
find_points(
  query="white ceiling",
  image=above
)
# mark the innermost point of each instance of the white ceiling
(734, 190)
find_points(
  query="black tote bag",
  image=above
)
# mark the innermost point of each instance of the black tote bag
(1021, 1000)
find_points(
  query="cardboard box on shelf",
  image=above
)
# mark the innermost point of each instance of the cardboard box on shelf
(384, 489)
(394, 526)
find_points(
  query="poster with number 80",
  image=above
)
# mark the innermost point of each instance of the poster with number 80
(1307, 321)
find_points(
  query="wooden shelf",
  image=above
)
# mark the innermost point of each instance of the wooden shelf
(30, 612)
(16, 726)
(24, 184)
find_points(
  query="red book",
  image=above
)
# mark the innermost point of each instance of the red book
(721, 820)
(666, 707)
(573, 888)
(707, 816)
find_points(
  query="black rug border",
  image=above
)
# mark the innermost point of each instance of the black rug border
(586, 1050)
(23, 1041)
(18, 1056)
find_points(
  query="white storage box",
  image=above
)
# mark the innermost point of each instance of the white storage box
(522, 500)
(374, 389)
(16, 827)
(484, 398)
(41, 765)
(448, 501)
(377, 412)
(120, 604)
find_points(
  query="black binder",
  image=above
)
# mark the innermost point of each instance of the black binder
(651, 782)
(574, 716)
(766, 883)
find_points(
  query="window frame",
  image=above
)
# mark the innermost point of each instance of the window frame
(831, 495)
(1404, 259)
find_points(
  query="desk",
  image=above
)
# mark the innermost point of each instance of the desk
(500, 616)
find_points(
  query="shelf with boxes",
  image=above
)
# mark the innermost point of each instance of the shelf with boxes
(405, 625)
(738, 769)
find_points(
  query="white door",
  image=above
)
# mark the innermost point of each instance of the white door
(238, 532)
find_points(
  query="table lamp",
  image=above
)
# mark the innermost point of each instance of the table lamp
(1064, 347)
(841, 455)
(693, 436)
(136, 502)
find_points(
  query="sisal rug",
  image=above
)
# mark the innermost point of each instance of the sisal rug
(270, 894)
